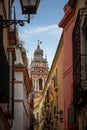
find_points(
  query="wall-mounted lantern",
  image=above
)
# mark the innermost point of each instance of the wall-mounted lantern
(60, 116)
(29, 6)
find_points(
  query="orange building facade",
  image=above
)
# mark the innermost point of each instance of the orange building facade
(67, 23)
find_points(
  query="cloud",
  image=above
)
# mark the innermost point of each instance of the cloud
(49, 35)
(37, 30)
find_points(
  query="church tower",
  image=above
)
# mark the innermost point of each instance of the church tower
(39, 70)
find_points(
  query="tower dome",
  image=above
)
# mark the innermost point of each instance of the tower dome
(38, 51)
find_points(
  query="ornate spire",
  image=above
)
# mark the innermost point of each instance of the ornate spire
(38, 51)
(38, 59)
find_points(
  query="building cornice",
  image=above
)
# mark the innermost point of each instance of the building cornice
(72, 3)
(39, 71)
(69, 14)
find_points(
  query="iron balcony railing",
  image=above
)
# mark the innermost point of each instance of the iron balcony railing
(71, 115)
(80, 73)
(79, 49)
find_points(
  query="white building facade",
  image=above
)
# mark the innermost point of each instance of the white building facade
(21, 91)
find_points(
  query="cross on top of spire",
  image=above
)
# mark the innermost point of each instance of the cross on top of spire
(39, 42)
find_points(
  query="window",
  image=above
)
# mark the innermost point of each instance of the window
(40, 84)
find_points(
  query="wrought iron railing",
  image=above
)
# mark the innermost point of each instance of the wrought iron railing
(71, 115)
(80, 73)
(84, 71)
(80, 52)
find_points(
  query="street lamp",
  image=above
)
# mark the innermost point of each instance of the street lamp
(29, 6)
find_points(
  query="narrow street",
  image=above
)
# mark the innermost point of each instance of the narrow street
(43, 65)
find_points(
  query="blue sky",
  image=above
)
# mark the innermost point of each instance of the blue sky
(44, 27)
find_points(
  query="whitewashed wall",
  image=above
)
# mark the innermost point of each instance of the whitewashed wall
(21, 106)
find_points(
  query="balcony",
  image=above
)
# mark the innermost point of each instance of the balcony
(72, 118)
(80, 81)
(71, 115)
(80, 60)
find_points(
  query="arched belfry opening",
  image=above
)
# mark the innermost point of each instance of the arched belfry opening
(40, 84)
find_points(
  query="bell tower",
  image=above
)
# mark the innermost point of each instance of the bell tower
(39, 70)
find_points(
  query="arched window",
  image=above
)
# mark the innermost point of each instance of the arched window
(40, 84)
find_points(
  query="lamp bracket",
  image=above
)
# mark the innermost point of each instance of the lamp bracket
(7, 23)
